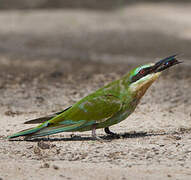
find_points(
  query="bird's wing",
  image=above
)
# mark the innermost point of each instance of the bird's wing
(88, 111)
(45, 118)
(95, 109)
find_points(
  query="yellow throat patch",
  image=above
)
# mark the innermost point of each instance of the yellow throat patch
(139, 87)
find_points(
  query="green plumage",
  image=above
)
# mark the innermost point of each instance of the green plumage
(105, 107)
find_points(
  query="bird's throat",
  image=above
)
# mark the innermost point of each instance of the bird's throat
(139, 88)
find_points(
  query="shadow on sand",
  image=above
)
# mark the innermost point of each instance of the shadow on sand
(104, 138)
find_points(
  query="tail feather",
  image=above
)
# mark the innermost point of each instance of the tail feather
(57, 129)
(24, 132)
(47, 129)
(29, 131)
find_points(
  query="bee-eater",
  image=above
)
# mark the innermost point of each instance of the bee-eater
(103, 108)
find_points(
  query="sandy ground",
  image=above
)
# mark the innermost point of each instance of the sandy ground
(30, 89)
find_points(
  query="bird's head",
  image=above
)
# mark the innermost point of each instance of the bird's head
(143, 76)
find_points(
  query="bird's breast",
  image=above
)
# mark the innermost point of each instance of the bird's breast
(128, 109)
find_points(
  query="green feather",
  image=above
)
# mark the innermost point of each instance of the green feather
(56, 129)
(28, 131)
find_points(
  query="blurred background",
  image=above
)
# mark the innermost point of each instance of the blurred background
(103, 31)
(54, 52)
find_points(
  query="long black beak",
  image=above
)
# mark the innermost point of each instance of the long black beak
(165, 63)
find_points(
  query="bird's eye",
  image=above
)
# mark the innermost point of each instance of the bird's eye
(142, 71)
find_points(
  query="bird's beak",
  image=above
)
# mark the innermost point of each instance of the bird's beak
(165, 63)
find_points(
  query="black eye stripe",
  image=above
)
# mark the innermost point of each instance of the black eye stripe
(142, 72)
(146, 69)
(137, 77)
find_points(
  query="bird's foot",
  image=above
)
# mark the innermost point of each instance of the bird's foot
(115, 135)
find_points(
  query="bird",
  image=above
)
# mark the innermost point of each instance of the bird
(103, 108)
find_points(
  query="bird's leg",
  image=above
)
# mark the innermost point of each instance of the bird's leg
(94, 136)
(107, 131)
(94, 132)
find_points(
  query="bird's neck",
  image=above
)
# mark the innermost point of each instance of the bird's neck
(140, 92)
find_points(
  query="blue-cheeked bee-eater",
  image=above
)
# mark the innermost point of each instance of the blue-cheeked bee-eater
(103, 108)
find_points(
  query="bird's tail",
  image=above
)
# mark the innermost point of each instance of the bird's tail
(28, 132)
(32, 131)
(57, 129)
(48, 129)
